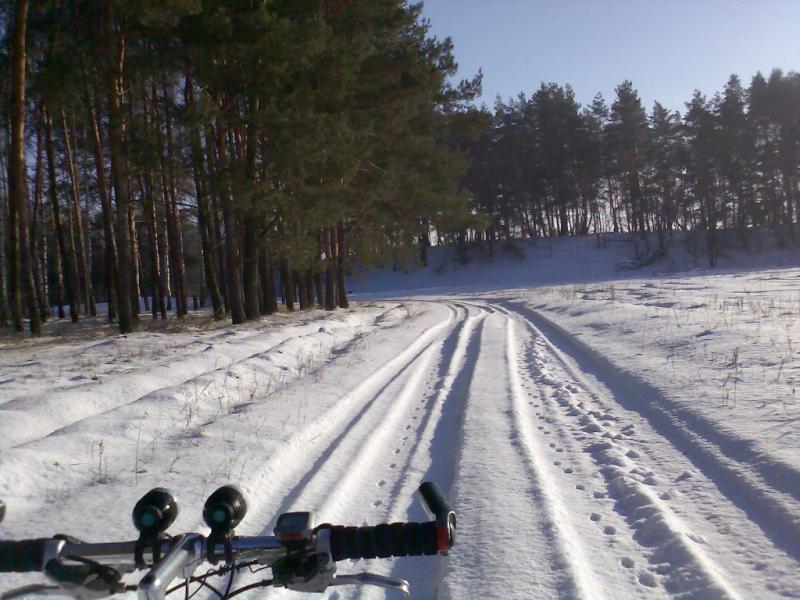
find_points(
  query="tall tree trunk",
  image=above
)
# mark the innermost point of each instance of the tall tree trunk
(16, 164)
(269, 304)
(287, 287)
(252, 218)
(75, 220)
(63, 266)
(233, 263)
(330, 269)
(119, 167)
(318, 288)
(4, 201)
(179, 263)
(250, 272)
(134, 241)
(13, 262)
(299, 284)
(110, 239)
(216, 231)
(341, 253)
(215, 227)
(203, 211)
(174, 231)
(37, 227)
(156, 281)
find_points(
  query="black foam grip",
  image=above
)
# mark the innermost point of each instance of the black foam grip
(22, 556)
(382, 541)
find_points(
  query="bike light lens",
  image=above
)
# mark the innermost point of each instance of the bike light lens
(155, 511)
(225, 508)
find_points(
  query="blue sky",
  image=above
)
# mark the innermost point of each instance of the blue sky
(666, 47)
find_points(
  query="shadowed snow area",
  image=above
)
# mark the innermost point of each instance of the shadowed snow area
(605, 427)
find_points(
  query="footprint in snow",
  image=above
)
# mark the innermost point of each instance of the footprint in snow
(594, 517)
(598, 495)
(393, 465)
(646, 578)
(377, 503)
(627, 562)
(683, 476)
(609, 530)
(568, 470)
(580, 486)
(557, 463)
(552, 444)
(382, 483)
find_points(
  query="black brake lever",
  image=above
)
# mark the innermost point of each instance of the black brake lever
(95, 578)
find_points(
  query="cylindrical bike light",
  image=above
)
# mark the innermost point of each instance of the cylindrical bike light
(225, 508)
(155, 511)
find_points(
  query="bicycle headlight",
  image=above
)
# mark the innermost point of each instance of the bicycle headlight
(155, 511)
(225, 508)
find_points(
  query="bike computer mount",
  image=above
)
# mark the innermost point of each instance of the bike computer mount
(293, 527)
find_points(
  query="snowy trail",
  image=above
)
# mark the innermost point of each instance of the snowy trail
(571, 478)
(699, 547)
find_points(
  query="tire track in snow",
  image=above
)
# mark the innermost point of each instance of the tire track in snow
(286, 469)
(367, 458)
(775, 512)
(693, 571)
(498, 497)
(338, 478)
(655, 532)
(586, 584)
(435, 452)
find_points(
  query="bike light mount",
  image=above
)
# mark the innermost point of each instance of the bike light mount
(222, 512)
(152, 516)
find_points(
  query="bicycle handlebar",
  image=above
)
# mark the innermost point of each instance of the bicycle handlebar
(23, 555)
(346, 542)
(170, 557)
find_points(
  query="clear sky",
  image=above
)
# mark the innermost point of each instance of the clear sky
(667, 48)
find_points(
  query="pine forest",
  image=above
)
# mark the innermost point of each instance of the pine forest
(159, 156)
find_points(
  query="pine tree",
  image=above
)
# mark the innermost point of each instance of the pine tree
(665, 148)
(629, 137)
(701, 168)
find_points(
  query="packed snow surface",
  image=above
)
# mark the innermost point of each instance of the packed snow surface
(622, 436)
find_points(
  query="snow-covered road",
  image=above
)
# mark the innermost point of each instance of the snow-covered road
(571, 478)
